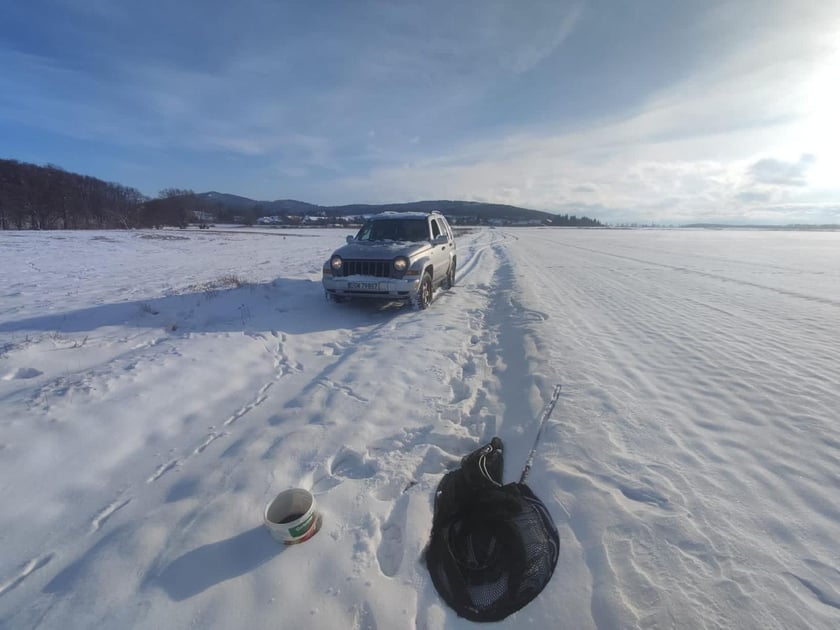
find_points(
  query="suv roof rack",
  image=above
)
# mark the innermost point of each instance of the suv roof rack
(403, 213)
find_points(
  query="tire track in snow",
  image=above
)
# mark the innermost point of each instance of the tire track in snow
(467, 261)
(494, 360)
(341, 396)
(497, 386)
(519, 378)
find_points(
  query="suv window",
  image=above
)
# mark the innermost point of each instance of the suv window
(435, 229)
(394, 230)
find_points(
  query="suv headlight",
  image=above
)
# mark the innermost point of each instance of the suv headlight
(336, 262)
(400, 263)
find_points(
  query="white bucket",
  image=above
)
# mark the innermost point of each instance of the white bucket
(291, 516)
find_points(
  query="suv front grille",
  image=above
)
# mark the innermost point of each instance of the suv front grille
(376, 268)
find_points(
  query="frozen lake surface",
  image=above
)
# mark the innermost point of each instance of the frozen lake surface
(158, 388)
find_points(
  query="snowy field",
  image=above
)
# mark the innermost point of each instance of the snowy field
(158, 388)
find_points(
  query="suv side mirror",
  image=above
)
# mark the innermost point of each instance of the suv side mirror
(350, 238)
(442, 239)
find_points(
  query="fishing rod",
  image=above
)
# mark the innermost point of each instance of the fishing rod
(549, 407)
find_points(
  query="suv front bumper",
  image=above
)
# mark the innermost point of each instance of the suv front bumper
(371, 286)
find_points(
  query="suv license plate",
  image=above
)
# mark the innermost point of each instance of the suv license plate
(364, 286)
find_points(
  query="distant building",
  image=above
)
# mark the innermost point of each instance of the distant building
(202, 216)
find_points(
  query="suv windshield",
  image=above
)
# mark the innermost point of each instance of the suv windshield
(394, 230)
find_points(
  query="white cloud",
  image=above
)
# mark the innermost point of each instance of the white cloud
(781, 173)
(723, 143)
(747, 121)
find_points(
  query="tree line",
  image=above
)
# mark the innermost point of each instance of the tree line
(50, 198)
(567, 220)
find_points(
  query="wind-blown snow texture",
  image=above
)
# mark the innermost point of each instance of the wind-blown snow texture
(150, 407)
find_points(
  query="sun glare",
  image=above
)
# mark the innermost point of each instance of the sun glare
(820, 125)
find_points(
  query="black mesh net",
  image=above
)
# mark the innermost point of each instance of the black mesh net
(493, 547)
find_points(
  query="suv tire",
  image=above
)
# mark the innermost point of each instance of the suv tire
(424, 293)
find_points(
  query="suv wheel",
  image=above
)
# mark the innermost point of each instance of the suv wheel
(424, 293)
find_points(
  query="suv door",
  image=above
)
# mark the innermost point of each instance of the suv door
(441, 244)
(450, 249)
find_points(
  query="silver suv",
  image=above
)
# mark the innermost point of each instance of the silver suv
(395, 256)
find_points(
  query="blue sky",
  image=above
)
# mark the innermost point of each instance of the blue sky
(626, 110)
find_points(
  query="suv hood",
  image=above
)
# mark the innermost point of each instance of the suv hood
(381, 250)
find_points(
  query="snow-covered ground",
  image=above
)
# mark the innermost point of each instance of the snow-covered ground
(158, 388)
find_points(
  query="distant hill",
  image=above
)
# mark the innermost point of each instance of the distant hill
(235, 202)
(460, 211)
(450, 208)
(830, 227)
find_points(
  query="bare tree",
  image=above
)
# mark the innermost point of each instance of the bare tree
(48, 197)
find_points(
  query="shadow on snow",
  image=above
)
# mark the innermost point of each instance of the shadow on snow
(211, 564)
(295, 306)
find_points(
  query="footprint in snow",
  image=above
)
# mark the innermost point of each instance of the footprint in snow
(364, 619)
(22, 373)
(351, 465)
(347, 464)
(390, 551)
(25, 571)
(107, 512)
(645, 495)
(324, 484)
